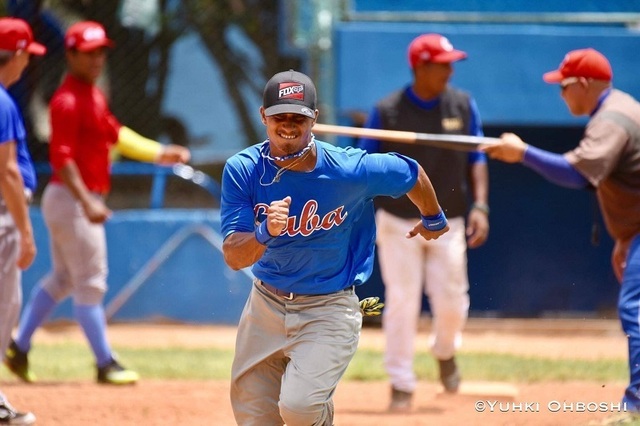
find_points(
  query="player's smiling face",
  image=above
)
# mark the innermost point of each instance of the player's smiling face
(288, 133)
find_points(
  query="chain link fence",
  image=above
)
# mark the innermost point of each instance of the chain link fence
(189, 72)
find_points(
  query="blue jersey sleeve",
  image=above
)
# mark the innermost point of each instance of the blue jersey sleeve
(475, 129)
(236, 206)
(9, 119)
(390, 174)
(554, 167)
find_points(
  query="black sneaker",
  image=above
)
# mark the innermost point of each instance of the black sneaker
(115, 374)
(18, 363)
(9, 416)
(449, 375)
(400, 400)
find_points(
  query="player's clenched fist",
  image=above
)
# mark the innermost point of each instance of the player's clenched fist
(277, 215)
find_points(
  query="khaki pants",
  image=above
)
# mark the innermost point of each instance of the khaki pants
(409, 269)
(78, 249)
(290, 356)
(10, 277)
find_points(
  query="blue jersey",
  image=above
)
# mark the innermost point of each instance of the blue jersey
(329, 241)
(12, 129)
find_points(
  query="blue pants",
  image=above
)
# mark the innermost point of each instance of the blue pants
(629, 312)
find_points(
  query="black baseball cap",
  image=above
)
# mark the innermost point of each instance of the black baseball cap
(289, 92)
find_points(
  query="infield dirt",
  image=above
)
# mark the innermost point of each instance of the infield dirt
(206, 403)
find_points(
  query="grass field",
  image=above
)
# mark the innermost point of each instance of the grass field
(568, 361)
(59, 362)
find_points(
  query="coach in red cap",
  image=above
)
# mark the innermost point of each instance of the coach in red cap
(83, 131)
(438, 268)
(607, 159)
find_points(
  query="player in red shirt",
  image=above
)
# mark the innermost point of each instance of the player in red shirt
(83, 132)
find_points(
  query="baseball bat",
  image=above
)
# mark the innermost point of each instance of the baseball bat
(455, 142)
(201, 179)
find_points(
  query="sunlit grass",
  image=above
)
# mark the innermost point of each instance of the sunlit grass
(73, 361)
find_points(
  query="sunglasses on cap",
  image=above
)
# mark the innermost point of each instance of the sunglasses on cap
(568, 82)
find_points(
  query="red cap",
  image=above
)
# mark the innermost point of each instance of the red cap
(588, 63)
(433, 48)
(86, 36)
(16, 34)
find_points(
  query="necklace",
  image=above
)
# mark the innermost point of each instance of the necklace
(301, 155)
(265, 152)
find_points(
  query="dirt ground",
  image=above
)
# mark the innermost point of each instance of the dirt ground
(206, 403)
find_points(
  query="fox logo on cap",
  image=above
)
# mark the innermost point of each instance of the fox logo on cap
(291, 91)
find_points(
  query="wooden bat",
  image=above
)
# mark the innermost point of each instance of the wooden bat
(455, 142)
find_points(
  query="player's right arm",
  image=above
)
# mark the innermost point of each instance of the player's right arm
(94, 208)
(243, 249)
(65, 125)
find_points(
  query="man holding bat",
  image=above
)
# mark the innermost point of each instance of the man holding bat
(607, 159)
(439, 268)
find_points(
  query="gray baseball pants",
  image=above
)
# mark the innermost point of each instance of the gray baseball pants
(78, 249)
(10, 277)
(290, 355)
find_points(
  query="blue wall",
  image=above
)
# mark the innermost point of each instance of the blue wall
(191, 284)
(538, 259)
(498, 5)
(503, 71)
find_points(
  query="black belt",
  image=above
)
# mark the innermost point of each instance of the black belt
(288, 295)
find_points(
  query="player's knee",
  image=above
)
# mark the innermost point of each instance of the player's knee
(297, 411)
(89, 295)
(59, 289)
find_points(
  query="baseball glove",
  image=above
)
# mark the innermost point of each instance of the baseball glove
(371, 306)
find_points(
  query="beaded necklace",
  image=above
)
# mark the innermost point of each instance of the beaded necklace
(299, 156)
(265, 152)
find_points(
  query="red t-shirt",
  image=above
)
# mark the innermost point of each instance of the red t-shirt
(82, 129)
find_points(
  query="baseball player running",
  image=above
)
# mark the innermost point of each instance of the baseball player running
(83, 130)
(300, 212)
(607, 159)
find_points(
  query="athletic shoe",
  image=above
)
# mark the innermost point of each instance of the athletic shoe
(9, 416)
(400, 400)
(18, 363)
(449, 375)
(115, 374)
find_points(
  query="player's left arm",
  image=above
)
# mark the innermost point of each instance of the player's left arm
(433, 222)
(137, 147)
